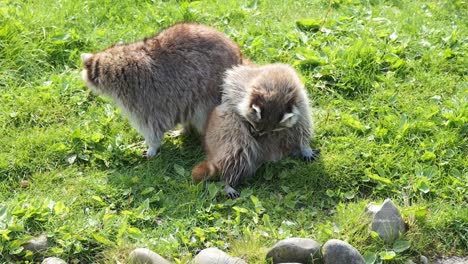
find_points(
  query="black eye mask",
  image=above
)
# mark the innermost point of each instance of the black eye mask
(256, 133)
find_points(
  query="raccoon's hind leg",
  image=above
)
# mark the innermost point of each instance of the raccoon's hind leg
(154, 142)
(235, 168)
(198, 120)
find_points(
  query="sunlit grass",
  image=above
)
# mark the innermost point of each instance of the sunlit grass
(387, 81)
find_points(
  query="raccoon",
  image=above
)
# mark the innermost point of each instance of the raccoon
(172, 78)
(264, 115)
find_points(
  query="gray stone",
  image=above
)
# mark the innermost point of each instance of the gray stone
(37, 244)
(301, 250)
(387, 221)
(423, 260)
(145, 256)
(53, 260)
(335, 251)
(453, 260)
(216, 256)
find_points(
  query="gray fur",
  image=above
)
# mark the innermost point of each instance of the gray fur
(245, 130)
(172, 78)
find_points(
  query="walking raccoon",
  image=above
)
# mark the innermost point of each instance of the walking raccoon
(172, 78)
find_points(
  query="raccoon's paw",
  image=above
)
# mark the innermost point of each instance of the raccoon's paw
(231, 193)
(309, 154)
(151, 152)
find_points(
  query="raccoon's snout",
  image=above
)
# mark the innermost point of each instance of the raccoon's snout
(90, 83)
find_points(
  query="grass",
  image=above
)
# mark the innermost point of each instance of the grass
(388, 82)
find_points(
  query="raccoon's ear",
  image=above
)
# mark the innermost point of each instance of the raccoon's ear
(290, 118)
(286, 117)
(85, 57)
(257, 110)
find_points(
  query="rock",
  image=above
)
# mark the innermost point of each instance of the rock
(216, 256)
(36, 244)
(453, 260)
(53, 260)
(301, 250)
(336, 251)
(24, 184)
(372, 208)
(145, 256)
(387, 221)
(423, 260)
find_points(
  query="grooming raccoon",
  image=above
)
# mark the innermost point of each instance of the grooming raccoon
(264, 115)
(172, 78)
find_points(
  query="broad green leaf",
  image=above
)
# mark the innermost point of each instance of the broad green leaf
(101, 239)
(254, 200)
(387, 255)
(4, 234)
(15, 227)
(423, 185)
(375, 235)
(60, 208)
(108, 216)
(144, 206)
(240, 209)
(134, 232)
(352, 122)
(147, 190)
(97, 198)
(308, 24)
(401, 245)
(428, 155)
(97, 137)
(179, 170)
(212, 190)
(370, 257)
(349, 195)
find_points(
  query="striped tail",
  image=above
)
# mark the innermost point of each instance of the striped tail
(204, 171)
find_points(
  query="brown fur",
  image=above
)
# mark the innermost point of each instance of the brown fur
(172, 78)
(204, 171)
(264, 116)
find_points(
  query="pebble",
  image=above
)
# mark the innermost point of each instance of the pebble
(453, 260)
(387, 221)
(24, 184)
(216, 256)
(337, 251)
(145, 256)
(53, 260)
(423, 260)
(300, 250)
(36, 244)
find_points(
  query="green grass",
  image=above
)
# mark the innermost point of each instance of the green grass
(388, 82)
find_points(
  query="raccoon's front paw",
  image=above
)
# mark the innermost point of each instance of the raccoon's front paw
(231, 193)
(151, 152)
(309, 154)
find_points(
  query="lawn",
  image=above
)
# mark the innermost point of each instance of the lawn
(388, 87)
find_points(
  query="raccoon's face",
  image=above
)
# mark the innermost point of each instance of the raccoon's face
(268, 113)
(91, 73)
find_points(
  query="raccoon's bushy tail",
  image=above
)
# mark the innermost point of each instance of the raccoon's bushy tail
(204, 171)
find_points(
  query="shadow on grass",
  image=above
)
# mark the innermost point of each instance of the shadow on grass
(166, 180)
